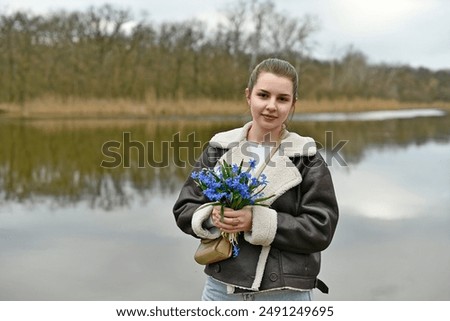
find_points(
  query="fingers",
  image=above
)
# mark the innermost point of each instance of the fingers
(232, 221)
(225, 222)
(227, 212)
(226, 219)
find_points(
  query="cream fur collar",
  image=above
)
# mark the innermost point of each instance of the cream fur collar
(292, 144)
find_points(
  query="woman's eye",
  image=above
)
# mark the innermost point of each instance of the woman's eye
(263, 95)
(286, 98)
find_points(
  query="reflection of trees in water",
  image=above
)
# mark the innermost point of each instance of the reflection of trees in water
(63, 162)
(48, 159)
(380, 135)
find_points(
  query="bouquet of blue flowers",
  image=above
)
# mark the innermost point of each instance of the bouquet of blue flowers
(228, 185)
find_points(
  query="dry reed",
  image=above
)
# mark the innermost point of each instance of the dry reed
(117, 108)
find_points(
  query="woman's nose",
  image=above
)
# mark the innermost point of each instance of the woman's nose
(271, 104)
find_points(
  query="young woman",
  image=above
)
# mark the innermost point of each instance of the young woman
(280, 245)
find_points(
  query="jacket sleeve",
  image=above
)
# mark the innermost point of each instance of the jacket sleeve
(264, 226)
(191, 198)
(311, 226)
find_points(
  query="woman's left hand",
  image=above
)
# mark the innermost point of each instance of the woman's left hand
(233, 221)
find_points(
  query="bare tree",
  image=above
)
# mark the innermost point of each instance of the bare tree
(260, 13)
(257, 28)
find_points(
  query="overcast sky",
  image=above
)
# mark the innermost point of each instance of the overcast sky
(414, 32)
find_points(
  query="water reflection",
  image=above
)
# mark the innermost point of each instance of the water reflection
(399, 184)
(380, 115)
(61, 159)
(76, 253)
(72, 230)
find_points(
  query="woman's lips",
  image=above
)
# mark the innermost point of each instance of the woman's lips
(271, 117)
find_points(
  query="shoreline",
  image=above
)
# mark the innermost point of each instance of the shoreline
(186, 109)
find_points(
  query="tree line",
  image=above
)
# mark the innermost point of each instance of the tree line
(105, 52)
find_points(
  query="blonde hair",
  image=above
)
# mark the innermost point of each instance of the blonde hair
(277, 67)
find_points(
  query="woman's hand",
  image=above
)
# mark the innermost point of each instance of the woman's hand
(233, 221)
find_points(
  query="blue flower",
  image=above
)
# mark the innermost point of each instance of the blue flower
(252, 163)
(263, 179)
(194, 175)
(235, 250)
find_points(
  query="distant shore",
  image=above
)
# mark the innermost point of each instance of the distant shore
(52, 107)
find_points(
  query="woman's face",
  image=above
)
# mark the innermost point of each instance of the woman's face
(270, 102)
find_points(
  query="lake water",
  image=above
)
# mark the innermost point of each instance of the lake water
(71, 229)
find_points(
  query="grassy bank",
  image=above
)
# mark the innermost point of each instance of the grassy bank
(51, 107)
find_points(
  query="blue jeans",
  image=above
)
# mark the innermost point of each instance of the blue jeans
(217, 291)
